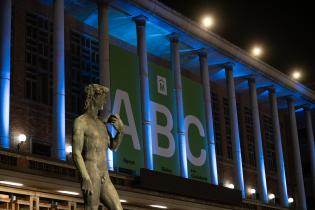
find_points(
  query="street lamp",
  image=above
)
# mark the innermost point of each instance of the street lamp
(21, 139)
(272, 197)
(296, 75)
(229, 185)
(207, 22)
(69, 149)
(257, 51)
(252, 193)
(69, 152)
(290, 200)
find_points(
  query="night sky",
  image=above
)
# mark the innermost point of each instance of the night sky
(285, 32)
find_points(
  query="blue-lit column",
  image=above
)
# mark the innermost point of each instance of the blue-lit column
(203, 60)
(235, 136)
(145, 89)
(59, 81)
(282, 183)
(178, 93)
(301, 201)
(5, 44)
(104, 50)
(310, 143)
(262, 185)
(104, 63)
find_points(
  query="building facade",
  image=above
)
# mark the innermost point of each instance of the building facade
(194, 105)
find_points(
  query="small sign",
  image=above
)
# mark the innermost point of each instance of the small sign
(161, 85)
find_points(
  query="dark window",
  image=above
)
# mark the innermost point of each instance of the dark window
(250, 136)
(216, 123)
(227, 122)
(84, 68)
(38, 59)
(41, 149)
(270, 145)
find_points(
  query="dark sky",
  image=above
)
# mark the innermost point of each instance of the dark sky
(285, 29)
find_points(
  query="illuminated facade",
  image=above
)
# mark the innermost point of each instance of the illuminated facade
(195, 106)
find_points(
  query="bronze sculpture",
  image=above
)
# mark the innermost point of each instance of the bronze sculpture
(90, 142)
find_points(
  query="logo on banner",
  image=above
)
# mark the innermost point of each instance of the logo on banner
(161, 85)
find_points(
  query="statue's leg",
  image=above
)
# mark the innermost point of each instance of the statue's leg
(109, 196)
(91, 202)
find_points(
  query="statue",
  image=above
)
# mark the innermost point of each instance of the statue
(90, 142)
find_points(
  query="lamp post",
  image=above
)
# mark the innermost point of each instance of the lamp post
(21, 139)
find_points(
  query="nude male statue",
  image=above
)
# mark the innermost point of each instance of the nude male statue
(90, 142)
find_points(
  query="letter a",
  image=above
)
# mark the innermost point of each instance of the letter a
(130, 129)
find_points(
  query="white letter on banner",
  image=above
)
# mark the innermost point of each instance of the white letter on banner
(197, 161)
(163, 130)
(130, 129)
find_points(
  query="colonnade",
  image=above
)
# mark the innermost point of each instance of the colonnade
(140, 24)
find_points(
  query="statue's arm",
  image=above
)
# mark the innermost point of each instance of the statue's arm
(77, 146)
(119, 125)
(115, 142)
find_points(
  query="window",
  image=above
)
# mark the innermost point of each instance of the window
(216, 123)
(41, 149)
(250, 136)
(270, 145)
(227, 123)
(38, 59)
(84, 67)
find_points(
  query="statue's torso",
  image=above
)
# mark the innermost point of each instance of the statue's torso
(96, 141)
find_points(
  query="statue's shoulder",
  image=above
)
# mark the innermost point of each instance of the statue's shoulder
(80, 120)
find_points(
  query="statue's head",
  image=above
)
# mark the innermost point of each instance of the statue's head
(95, 96)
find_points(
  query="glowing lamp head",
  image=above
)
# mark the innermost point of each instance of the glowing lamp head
(231, 186)
(257, 51)
(123, 201)
(251, 191)
(207, 21)
(69, 149)
(271, 196)
(296, 75)
(290, 200)
(22, 138)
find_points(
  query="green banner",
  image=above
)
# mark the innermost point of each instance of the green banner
(125, 96)
(164, 128)
(195, 130)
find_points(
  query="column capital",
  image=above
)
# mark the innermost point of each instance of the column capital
(202, 52)
(290, 99)
(140, 20)
(251, 80)
(174, 37)
(104, 2)
(271, 90)
(228, 66)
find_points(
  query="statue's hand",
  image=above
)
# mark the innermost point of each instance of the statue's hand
(87, 186)
(117, 122)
